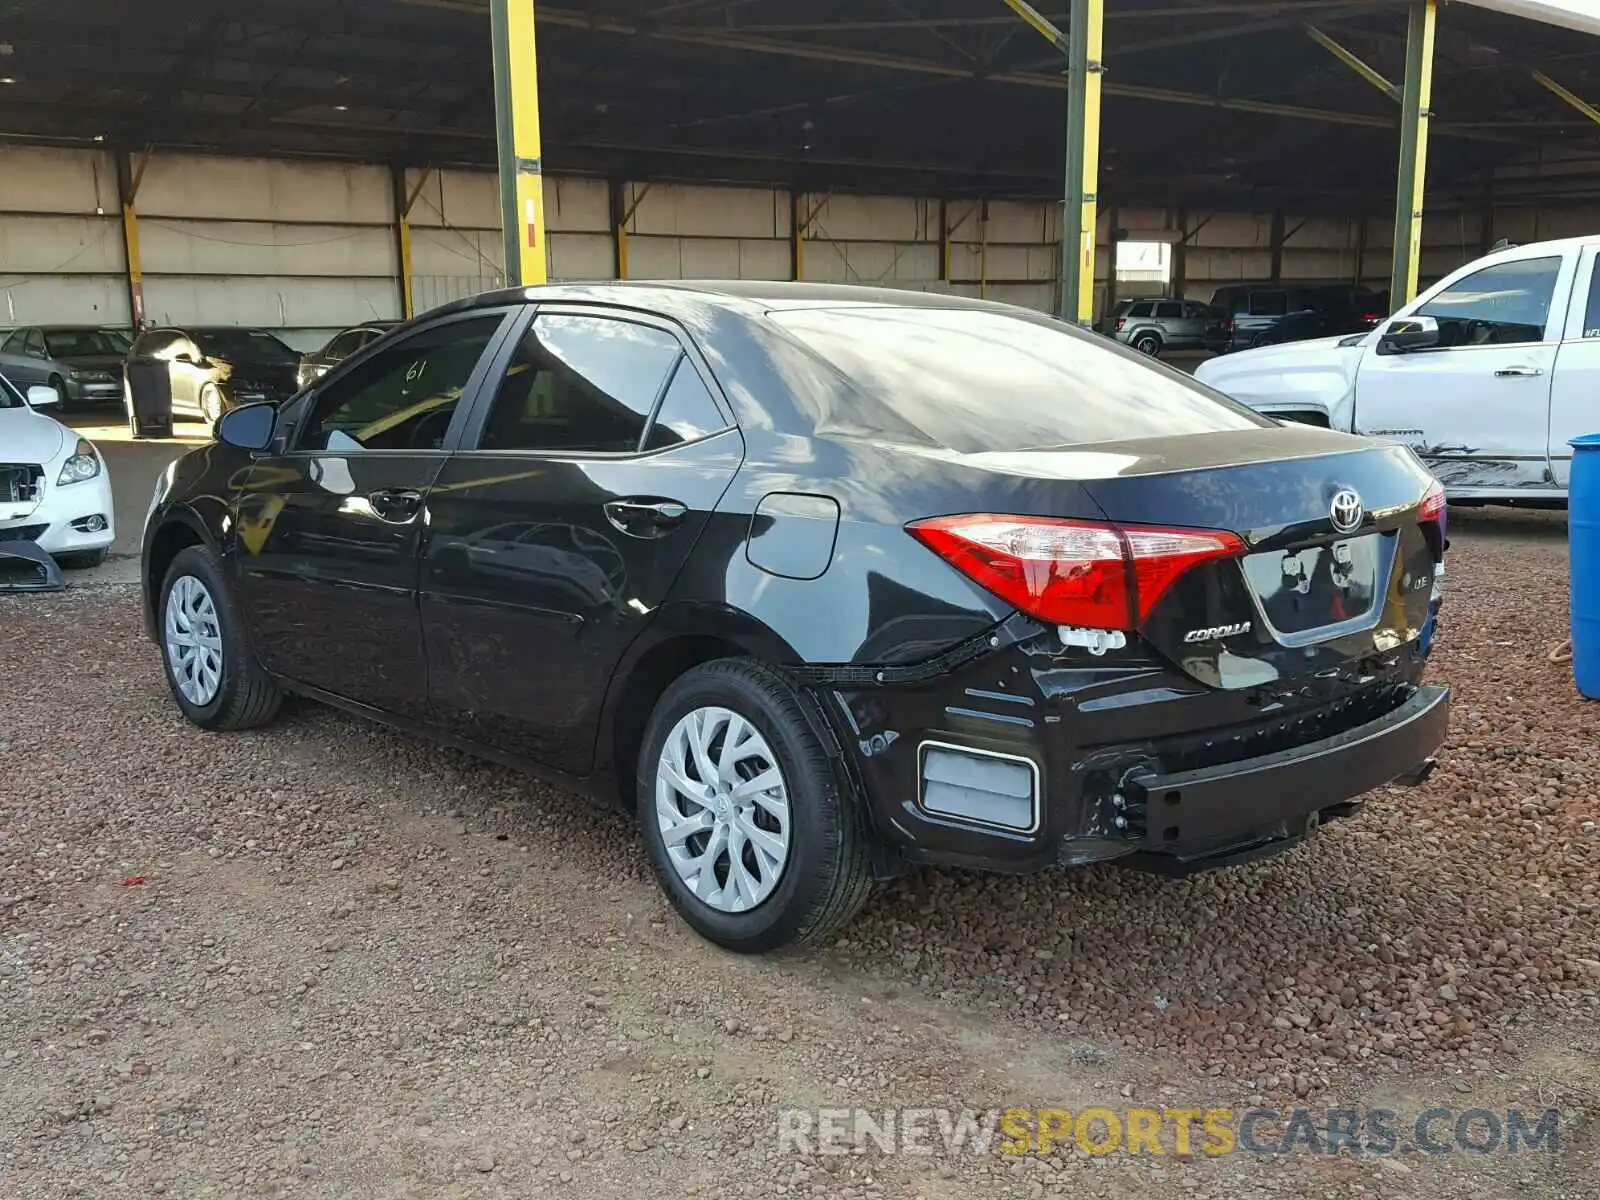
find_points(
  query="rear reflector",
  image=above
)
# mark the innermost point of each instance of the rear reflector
(1088, 574)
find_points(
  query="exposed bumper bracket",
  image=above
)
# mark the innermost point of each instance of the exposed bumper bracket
(43, 576)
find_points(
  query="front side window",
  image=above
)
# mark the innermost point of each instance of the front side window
(344, 345)
(581, 384)
(401, 398)
(35, 343)
(1503, 305)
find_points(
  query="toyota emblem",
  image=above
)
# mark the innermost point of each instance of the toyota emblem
(1346, 511)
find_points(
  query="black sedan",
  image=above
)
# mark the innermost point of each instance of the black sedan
(213, 368)
(339, 347)
(823, 582)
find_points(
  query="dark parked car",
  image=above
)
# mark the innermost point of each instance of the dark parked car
(216, 368)
(1265, 314)
(821, 581)
(82, 363)
(340, 347)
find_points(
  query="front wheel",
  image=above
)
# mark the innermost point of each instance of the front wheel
(210, 667)
(754, 832)
(211, 406)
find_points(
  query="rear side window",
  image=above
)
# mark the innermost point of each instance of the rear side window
(1268, 304)
(1591, 315)
(581, 384)
(1142, 309)
(1169, 309)
(976, 382)
(688, 413)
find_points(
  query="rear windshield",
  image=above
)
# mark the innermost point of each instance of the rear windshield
(976, 381)
(242, 345)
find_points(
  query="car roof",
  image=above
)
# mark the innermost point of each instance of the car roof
(750, 295)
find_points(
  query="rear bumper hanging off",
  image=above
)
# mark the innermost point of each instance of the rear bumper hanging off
(1200, 816)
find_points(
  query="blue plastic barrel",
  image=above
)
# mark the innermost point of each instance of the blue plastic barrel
(1583, 550)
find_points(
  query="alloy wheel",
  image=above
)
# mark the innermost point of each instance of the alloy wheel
(722, 806)
(193, 636)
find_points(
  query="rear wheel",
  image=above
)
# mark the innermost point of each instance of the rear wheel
(1147, 343)
(754, 832)
(210, 666)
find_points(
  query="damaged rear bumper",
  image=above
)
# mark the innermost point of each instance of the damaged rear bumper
(1030, 756)
(1196, 820)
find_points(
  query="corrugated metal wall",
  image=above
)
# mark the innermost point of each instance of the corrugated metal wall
(306, 248)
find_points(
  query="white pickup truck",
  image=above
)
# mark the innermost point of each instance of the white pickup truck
(1486, 375)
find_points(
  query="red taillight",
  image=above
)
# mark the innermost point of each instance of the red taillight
(1080, 573)
(1372, 318)
(1121, 324)
(1433, 509)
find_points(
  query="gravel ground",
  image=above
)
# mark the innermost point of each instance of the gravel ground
(323, 960)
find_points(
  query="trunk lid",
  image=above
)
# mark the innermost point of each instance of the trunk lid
(1337, 569)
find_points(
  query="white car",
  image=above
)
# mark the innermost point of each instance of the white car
(55, 490)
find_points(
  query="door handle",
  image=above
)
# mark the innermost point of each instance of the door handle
(1518, 372)
(645, 517)
(398, 506)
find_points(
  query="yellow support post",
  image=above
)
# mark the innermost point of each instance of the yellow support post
(128, 179)
(797, 238)
(1080, 215)
(516, 95)
(1412, 181)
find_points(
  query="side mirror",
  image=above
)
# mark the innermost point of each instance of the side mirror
(248, 427)
(43, 397)
(1409, 333)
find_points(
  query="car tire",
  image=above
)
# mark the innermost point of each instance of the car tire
(1147, 343)
(82, 560)
(211, 406)
(230, 690)
(825, 875)
(57, 385)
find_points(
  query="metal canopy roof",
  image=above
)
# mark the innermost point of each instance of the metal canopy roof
(1205, 102)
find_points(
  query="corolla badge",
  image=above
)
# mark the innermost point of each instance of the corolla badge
(1346, 510)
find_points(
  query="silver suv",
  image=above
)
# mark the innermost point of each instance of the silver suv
(1152, 326)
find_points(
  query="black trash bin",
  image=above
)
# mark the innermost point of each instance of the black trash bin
(149, 400)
